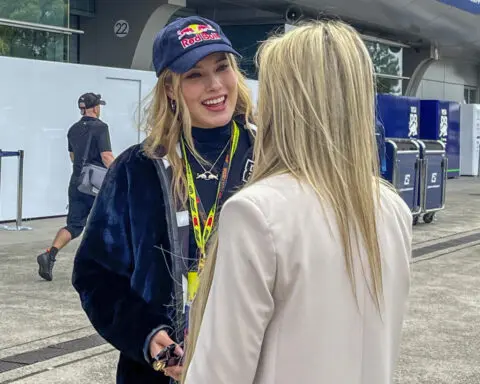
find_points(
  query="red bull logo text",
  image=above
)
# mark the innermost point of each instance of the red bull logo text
(196, 33)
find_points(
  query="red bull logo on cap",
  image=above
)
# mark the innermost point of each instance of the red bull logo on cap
(196, 33)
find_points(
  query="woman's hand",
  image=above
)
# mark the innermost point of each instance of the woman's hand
(174, 372)
(159, 341)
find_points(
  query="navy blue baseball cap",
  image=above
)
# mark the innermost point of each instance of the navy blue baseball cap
(185, 41)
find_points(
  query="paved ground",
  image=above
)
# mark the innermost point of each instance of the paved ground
(46, 338)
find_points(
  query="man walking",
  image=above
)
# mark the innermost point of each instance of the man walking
(99, 153)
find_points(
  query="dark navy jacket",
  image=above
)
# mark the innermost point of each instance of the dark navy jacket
(120, 274)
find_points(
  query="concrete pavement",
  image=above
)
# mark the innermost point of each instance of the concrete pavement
(45, 336)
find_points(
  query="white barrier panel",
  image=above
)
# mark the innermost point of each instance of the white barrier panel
(38, 104)
(253, 85)
(470, 139)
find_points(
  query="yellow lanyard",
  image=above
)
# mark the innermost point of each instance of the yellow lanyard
(201, 237)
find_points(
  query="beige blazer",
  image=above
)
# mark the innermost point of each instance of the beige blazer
(281, 308)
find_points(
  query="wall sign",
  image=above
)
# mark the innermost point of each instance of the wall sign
(121, 28)
(413, 123)
(443, 128)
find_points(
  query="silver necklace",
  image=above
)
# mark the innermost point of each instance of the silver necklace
(208, 175)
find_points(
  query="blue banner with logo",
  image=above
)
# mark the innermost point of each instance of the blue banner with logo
(471, 6)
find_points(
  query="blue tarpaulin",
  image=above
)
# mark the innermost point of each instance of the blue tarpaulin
(471, 6)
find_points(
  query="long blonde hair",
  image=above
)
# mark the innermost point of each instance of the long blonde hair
(165, 126)
(316, 122)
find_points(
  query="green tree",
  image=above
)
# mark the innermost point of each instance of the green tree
(28, 43)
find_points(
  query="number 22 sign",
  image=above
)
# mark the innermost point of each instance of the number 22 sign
(121, 28)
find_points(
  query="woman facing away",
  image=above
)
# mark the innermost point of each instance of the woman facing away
(146, 235)
(309, 279)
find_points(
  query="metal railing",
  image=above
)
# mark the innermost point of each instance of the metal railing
(39, 27)
(18, 222)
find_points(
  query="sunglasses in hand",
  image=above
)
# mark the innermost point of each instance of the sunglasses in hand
(167, 358)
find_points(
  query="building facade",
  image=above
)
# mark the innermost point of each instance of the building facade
(426, 48)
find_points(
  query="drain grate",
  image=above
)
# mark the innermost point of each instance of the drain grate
(7, 366)
(12, 362)
(446, 244)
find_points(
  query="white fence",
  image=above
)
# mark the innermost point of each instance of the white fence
(38, 104)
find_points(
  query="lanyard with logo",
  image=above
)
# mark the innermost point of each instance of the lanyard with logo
(200, 217)
(197, 210)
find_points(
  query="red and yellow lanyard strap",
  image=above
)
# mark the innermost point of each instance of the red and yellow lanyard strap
(196, 207)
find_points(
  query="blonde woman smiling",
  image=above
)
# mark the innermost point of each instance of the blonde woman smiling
(145, 241)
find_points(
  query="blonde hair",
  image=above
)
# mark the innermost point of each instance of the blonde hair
(165, 126)
(316, 122)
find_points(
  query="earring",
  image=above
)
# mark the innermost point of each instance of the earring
(173, 105)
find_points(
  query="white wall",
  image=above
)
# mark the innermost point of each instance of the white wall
(446, 79)
(38, 104)
(253, 85)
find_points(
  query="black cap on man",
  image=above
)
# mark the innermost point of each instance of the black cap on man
(90, 100)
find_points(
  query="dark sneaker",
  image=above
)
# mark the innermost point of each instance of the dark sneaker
(45, 266)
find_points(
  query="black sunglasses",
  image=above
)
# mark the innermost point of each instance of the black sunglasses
(167, 358)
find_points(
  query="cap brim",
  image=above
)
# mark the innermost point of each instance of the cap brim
(188, 60)
(102, 102)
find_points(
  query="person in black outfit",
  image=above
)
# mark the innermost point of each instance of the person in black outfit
(139, 261)
(99, 153)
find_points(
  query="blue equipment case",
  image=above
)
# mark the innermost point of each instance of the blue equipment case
(434, 178)
(404, 170)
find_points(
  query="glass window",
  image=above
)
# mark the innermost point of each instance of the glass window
(473, 96)
(246, 39)
(387, 60)
(52, 12)
(74, 40)
(392, 86)
(82, 6)
(470, 95)
(30, 44)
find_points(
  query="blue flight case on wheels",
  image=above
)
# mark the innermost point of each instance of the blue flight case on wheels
(404, 167)
(434, 175)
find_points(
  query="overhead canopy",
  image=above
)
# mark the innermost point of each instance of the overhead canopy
(453, 25)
